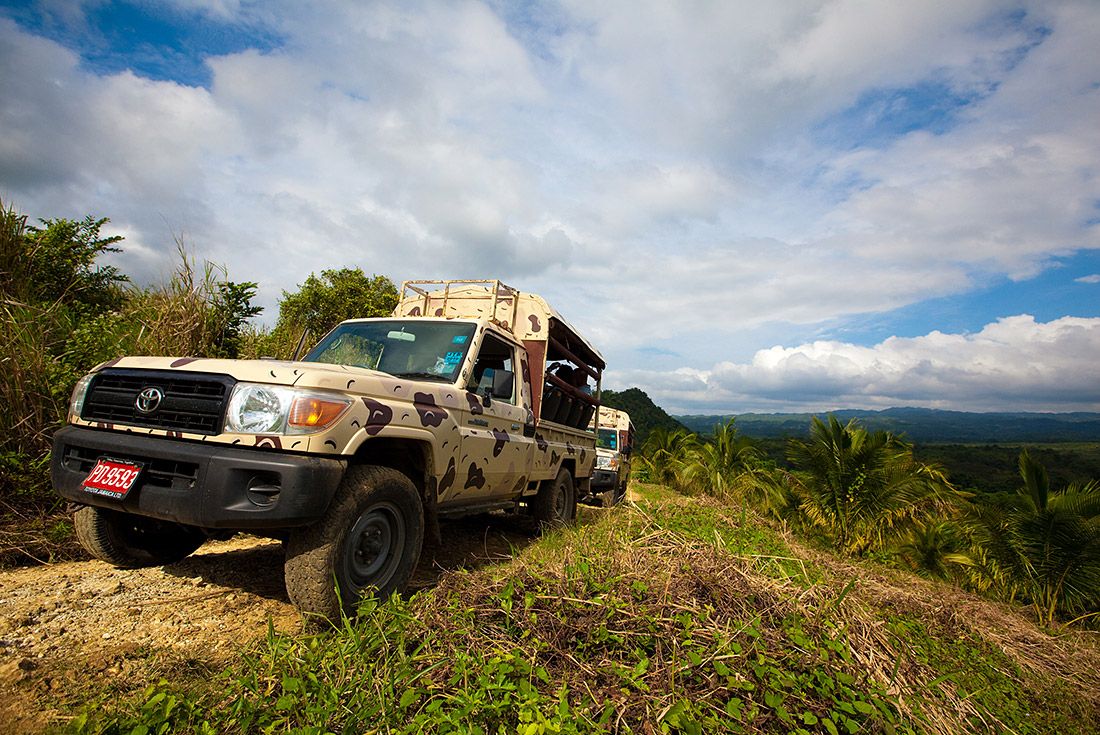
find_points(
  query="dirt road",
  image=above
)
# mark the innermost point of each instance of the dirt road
(71, 630)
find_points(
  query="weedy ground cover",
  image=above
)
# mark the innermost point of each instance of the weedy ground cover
(670, 615)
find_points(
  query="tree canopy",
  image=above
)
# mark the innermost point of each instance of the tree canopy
(323, 302)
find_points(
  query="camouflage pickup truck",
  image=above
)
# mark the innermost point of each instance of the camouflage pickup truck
(351, 454)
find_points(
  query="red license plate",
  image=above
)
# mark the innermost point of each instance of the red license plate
(111, 478)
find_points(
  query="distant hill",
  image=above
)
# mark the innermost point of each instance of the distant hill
(645, 414)
(923, 425)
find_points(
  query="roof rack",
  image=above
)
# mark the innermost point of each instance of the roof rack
(494, 291)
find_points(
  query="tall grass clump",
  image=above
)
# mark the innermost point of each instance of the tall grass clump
(62, 312)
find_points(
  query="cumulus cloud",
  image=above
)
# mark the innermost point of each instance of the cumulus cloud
(1015, 363)
(668, 175)
(1094, 278)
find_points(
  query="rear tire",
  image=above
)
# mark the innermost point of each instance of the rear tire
(618, 493)
(130, 541)
(367, 543)
(556, 502)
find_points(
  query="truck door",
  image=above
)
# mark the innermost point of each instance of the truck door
(495, 454)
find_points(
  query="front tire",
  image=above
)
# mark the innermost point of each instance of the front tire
(618, 493)
(368, 542)
(556, 502)
(130, 541)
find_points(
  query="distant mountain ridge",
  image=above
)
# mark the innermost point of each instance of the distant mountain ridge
(921, 424)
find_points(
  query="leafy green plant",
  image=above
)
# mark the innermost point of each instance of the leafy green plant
(1045, 545)
(320, 303)
(62, 312)
(663, 455)
(713, 466)
(935, 549)
(863, 488)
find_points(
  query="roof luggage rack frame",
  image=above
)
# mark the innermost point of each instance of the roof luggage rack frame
(494, 290)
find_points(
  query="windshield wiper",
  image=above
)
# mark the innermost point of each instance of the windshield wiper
(423, 376)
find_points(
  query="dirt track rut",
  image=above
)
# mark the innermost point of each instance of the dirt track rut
(72, 629)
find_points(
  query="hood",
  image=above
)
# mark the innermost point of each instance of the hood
(276, 372)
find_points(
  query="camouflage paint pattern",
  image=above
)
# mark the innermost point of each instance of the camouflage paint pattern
(613, 418)
(477, 452)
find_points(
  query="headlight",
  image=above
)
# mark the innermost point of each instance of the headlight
(76, 401)
(270, 409)
(258, 409)
(606, 463)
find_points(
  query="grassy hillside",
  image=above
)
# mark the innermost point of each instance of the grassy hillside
(674, 615)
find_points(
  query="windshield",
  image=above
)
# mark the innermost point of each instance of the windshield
(608, 439)
(406, 348)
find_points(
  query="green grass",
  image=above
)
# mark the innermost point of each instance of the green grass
(734, 530)
(674, 616)
(989, 682)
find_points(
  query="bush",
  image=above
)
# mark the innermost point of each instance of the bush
(63, 313)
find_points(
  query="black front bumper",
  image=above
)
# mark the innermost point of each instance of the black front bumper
(199, 484)
(604, 479)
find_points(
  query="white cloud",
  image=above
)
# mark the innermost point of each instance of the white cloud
(1008, 188)
(1094, 278)
(658, 170)
(1014, 363)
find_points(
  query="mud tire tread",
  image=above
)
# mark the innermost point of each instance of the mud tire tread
(312, 552)
(102, 532)
(543, 508)
(617, 494)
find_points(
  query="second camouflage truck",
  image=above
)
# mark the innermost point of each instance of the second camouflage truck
(614, 445)
(352, 454)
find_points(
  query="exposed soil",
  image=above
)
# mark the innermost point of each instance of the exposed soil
(72, 630)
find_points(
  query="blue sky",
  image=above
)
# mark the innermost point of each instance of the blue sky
(800, 205)
(159, 41)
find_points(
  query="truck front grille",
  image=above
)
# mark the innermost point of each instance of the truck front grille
(190, 402)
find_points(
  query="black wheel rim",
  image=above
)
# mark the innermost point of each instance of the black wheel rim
(374, 546)
(561, 503)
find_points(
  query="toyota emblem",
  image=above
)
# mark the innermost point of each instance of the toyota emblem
(148, 400)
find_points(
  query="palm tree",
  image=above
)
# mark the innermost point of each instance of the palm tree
(862, 488)
(714, 467)
(935, 549)
(663, 454)
(1046, 544)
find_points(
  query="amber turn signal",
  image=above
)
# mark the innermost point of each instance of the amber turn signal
(314, 412)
